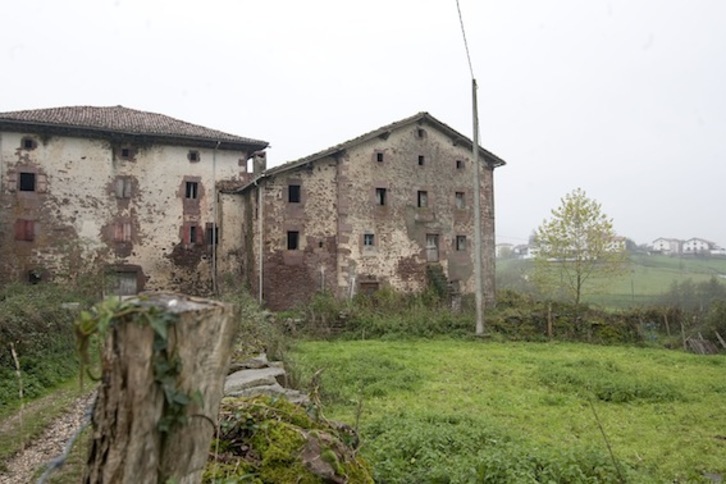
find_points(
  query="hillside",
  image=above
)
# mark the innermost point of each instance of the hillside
(649, 277)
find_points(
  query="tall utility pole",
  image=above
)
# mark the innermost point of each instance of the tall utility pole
(477, 214)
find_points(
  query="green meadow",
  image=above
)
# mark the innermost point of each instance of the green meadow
(479, 411)
(646, 279)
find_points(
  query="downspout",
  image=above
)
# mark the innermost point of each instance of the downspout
(260, 235)
(215, 224)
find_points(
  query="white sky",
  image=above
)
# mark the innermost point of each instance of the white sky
(623, 98)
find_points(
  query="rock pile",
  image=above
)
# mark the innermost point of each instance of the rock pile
(259, 376)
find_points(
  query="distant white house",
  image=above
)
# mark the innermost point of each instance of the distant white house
(617, 244)
(691, 246)
(698, 246)
(667, 246)
(525, 251)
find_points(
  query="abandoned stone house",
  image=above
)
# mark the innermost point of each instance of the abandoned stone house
(384, 208)
(129, 191)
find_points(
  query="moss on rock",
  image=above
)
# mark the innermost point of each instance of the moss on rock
(266, 440)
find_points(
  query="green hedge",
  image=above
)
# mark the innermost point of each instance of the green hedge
(37, 323)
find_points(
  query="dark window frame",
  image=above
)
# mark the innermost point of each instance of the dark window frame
(191, 190)
(293, 240)
(422, 199)
(381, 196)
(27, 181)
(294, 193)
(369, 240)
(461, 243)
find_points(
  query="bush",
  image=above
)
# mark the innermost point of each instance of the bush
(34, 321)
(258, 331)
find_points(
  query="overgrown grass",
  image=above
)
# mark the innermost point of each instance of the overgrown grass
(472, 411)
(37, 322)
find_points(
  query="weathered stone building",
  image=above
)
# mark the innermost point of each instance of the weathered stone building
(383, 208)
(83, 188)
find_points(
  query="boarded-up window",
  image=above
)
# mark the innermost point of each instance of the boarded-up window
(123, 187)
(25, 230)
(123, 283)
(460, 201)
(122, 232)
(193, 235)
(369, 287)
(432, 247)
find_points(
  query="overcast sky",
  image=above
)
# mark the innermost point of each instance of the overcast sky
(623, 98)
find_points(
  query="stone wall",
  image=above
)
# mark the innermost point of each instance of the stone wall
(352, 240)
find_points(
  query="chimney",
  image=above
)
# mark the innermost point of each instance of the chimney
(259, 162)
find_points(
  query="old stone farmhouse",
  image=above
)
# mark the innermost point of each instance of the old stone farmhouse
(130, 192)
(387, 207)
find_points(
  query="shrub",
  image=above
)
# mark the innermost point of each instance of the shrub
(34, 320)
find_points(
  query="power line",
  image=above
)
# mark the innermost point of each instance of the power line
(466, 44)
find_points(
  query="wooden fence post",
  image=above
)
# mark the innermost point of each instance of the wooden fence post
(129, 442)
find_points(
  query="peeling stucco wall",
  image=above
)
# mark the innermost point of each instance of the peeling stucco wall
(339, 205)
(110, 204)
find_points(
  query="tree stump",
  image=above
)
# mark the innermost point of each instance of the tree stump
(128, 444)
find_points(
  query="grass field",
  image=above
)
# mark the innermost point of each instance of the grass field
(648, 277)
(475, 411)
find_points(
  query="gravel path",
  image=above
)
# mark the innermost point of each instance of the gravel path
(22, 467)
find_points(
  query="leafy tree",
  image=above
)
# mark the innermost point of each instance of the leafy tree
(577, 248)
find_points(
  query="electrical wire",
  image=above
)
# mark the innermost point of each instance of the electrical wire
(466, 44)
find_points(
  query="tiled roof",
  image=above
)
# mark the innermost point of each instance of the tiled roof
(422, 117)
(122, 120)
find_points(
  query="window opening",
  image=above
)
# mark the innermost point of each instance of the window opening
(423, 198)
(293, 193)
(123, 283)
(192, 234)
(432, 247)
(122, 232)
(461, 242)
(27, 182)
(421, 160)
(293, 240)
(459, 164)
(127, 153)
(193, 156)
(192, 190)
(123, 187)
(369, 287)
(379, 157)
(369, 240)
(212, 234)
(420, 133)
(29, 143)
(381, 196)
(460, 202)
(25, 230)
